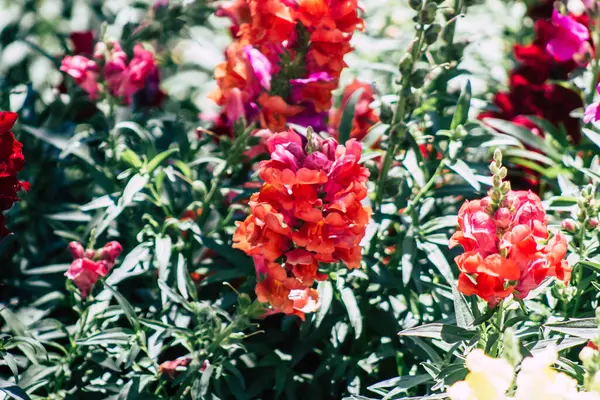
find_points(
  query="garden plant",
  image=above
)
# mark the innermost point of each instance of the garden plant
(300, 199)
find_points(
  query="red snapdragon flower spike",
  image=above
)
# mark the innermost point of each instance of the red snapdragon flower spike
(505, 252)
(254, 83)
(309, 211)
(11, 163)
(89, 265)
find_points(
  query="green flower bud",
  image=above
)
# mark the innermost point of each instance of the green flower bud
(432, 33)
(427, 15)
(406, 63)
(415, 4)
(417, 80)
(387, 114)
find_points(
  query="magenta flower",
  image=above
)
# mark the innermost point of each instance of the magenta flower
(569, 37)
(89, 265)
(592, 112)
(115, 67)
(84, 71)
(262, 67)
(140, 69)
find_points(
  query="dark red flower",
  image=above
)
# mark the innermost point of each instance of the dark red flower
(83, 43)
(11, 162)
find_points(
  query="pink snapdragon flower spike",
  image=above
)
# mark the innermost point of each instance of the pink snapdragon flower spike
(115, 67)
(85, 73)
(592, 112)
(569, 37)
(140, 69)
(89, 265)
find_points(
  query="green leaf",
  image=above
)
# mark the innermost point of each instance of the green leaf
(110, 336)
(47, 269)
(131, 158)
(579, 327)
(356, 318)
(464, 315)
(159, 159)
(174, 296)
(447, 221)
(438, 259)
(409, 251)
(125, 306)
(202, 388)
(593, 136)
(524, 135)
(13, 391)
(12, 364)
(446, 333)
(184, 283)
(61, 142)
(464, 171)
(162, 248)
(461, 115)
(348, 116)
(400, 382)
(134, 186)
(325, 289)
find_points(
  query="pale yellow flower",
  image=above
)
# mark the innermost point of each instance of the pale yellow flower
(537, 380)
(488, 379)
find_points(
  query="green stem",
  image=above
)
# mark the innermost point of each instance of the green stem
(595, 65)
(425, 189)
(397, 129)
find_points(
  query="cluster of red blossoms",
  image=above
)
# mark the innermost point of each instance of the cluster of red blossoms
(506, 247)
(110, 71)
(285, 61)
(89, 265)
(562, 43)
(11, 162)
(307, 212)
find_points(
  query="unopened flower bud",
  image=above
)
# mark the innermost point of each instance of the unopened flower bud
(110, 251)
(405, 64)
(417, 80)
(386, 113)
(427, 15)
(77, 250)
(503, 172)
(496, 181)
(432, 33)
(569, 225)
(502, 218)
(494, 168)
(495, 195)
(415, 4)
(593, 223)
(100, 51)
(505, 187)
(498, 156)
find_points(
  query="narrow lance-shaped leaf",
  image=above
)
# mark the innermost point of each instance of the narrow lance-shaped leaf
(462, 107)
(464, 171)
(126, 306)
(348, 116)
